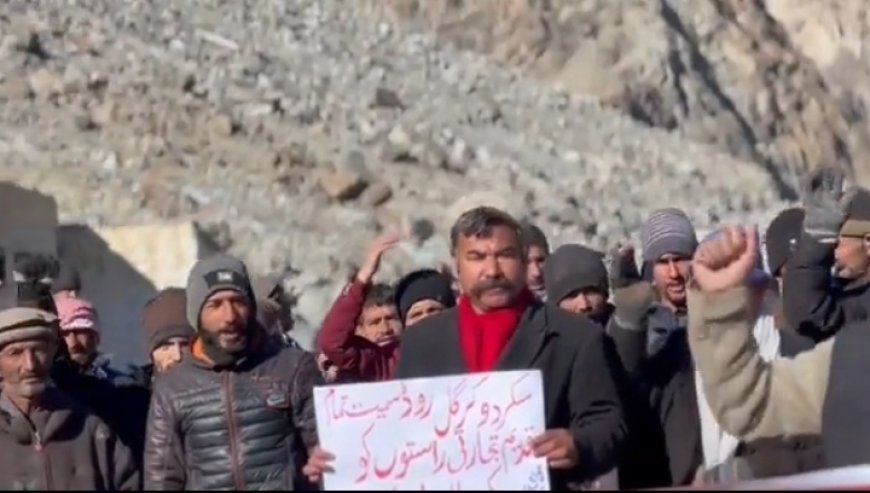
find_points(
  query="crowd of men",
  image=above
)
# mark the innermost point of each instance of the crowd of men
(702, 364)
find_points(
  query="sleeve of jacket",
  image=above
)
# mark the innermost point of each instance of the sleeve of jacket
(809, 303)
(126, 470)
(750, 398)
(306, 378)
(598, 426)
(164, 466)
(411, 348)
(337, 339)
(630, 346)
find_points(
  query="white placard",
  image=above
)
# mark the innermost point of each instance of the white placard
(468, 432)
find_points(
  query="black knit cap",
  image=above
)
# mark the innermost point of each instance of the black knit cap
(574, 267)
(782, 236)
(425, 284)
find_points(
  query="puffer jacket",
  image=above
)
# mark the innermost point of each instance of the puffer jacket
(247, 427)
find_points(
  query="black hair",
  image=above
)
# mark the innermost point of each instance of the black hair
(479, 222)
(380, 295)
(532, 236)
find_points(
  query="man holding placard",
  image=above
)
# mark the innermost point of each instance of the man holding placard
(499, 326)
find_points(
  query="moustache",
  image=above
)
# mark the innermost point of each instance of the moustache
(32, 378)
(491, 285)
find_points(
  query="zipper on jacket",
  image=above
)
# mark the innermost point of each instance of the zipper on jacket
(39, 446)
(238, 478)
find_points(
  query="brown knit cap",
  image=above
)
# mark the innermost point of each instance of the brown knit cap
(165, 317)
(24, 324)
(857, 214)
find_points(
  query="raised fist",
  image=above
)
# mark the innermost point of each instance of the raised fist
(623, 268)
(726, 261)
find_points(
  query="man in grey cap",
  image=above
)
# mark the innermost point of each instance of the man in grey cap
(40, 425)
(239, 413)
(648, 327)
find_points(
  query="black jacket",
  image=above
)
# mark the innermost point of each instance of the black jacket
(123, 406)
(815, 304)
(248, 427)
(665, 446)
(577, 369)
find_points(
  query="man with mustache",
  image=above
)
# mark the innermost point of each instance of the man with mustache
(80, 330)
(120, 403)
(48, 441)
(669, 241)
(239, 412)
(827, 283)
(499, 325)
(167, 330)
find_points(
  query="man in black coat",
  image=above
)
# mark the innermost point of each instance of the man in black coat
(498, 325)
(835, 237)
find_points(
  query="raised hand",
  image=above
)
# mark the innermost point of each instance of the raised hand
(632, 296)
(726, 261)
(373, 258)
(623, 268)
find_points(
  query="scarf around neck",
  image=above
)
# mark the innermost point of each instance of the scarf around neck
(483, 337)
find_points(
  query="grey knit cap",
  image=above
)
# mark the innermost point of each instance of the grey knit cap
(213, 274)
(668, 231)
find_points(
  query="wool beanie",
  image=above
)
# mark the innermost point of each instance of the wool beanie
(782, 236)
(165, 318)
(213, 274)
(574, 267)
(77, 314)
(425, 284)
(668, 231)
(24, 324)
(857, 215)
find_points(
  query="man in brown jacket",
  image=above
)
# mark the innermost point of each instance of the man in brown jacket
(47, 442)
(821, 391)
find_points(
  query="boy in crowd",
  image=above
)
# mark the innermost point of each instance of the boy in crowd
(360, 334)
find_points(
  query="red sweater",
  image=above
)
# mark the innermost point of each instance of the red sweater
(357, 358)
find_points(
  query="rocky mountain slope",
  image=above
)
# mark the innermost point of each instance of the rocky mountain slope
(295, 131)
(779, 82)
